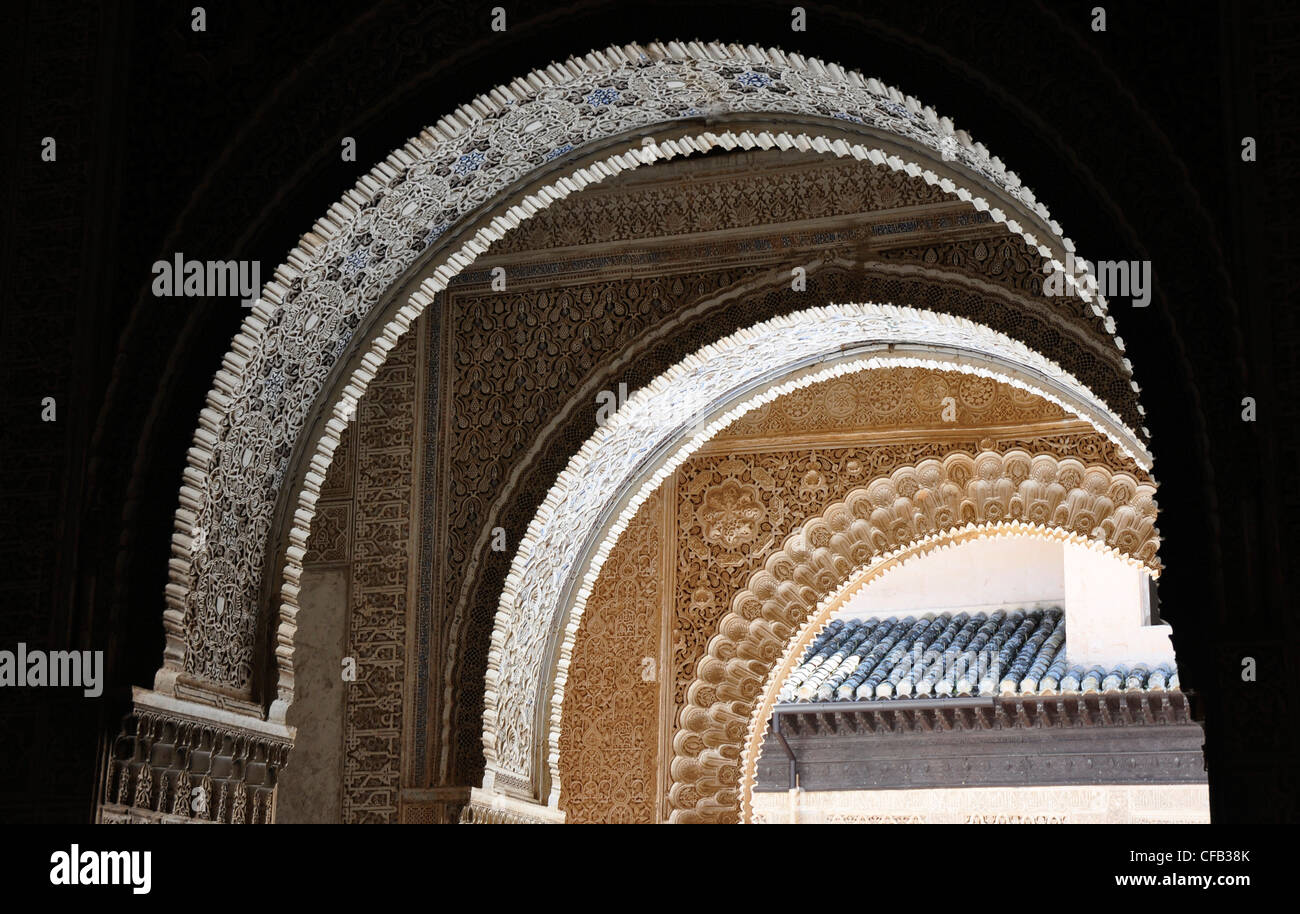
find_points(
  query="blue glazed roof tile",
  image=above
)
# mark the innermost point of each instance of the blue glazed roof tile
(1017, 652)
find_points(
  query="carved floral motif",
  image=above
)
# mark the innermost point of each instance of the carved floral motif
(895, 398)
(730, 515)
(609, 744)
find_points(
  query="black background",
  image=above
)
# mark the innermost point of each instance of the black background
(225, 144)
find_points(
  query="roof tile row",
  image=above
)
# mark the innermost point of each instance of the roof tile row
(938, 656)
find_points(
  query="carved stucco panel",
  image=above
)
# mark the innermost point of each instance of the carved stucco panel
(367, 525)
(912, 398)
(609, 741)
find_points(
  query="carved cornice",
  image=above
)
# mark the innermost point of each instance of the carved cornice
(758, 444)
(488, 808)
(883, 718)
(1119, 737)
(176, 762)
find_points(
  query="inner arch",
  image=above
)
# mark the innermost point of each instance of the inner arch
(852, 595)
(659, 427)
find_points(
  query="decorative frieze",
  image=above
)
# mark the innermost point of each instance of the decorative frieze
(382, 571)
(488, 808)
(1120, 737)
(746, 191)
(175, 762)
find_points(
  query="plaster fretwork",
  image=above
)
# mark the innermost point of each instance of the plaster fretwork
(315, 341)
(893, 398)
(732, 509)
(749, 190)
(366, 526)
(913, 505)
(609, 750)
(382, 575)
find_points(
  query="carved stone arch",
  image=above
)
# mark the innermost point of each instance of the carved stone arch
(568, 541)
(869, 573)
(913, 509)
(705, 314)
(314, 341)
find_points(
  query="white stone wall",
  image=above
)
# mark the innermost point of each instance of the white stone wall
(1106, 600)
(1107, 611)
(1064, 805)
(983, 574)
